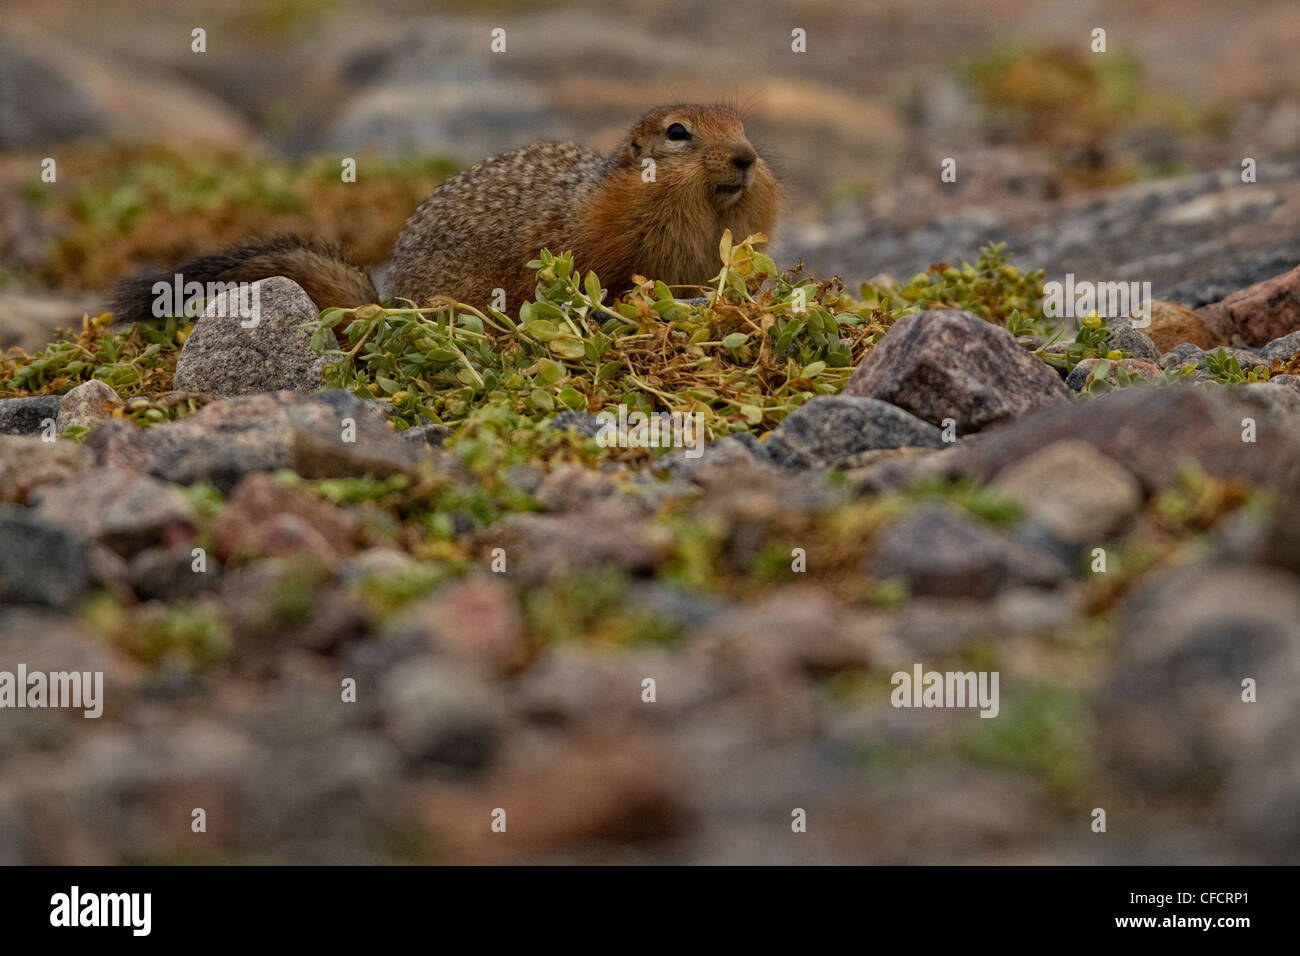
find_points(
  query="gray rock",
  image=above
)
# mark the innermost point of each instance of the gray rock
(827, 430)
(733, 449)
(88, 406)
(1132, 340)
(167, 573)
(584, 423)
(1172, 713)
(27, 416)
(227, 439)
(1283, 348)
(1182, 355)
(540, 546)
(432, 434)
(943, 363)
(53, 91)
(1073, 490)
(40, 563)
(27, 462)
(1152, 432)
(943, 552)
(40, 102)
(1274, 397)
(123, 509)
(442, 715)
(255, 344)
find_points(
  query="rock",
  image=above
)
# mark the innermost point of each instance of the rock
(1286, 381)
(1184, 353)
(1134, 342)
(27, 462)
(442, 715)
(597, 789)
(476, 619)
(944, 552)
(27, 416)
(283, 536)
(1173, 715)
(1281, 531)
(539, 547)
(1072, 490)
(1171, 325)
(1079, 375)
(573, 488)
(40, 562)
(254, 343)
(167, 573)
(1152, 432)
(123, 509)
(57, 92)
(227, 439)
(733, 449)
(828, 429)
(432, 434)
(129, 792)
(49, 640)
(87, 406)
(787, 633)
(1273, 397)
(1282, 348)
(944, 363)
(1262, 312)
(584, 423)
(256, 522)
(457, 105)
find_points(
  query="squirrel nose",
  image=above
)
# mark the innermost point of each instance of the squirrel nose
(744, 158)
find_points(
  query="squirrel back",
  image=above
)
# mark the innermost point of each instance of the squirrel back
(657, 207)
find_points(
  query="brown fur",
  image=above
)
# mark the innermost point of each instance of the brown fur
(479, 229)
(326, 277)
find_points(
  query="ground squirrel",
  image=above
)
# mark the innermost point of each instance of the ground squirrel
(656, 207)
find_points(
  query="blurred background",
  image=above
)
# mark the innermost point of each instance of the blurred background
(163, 152)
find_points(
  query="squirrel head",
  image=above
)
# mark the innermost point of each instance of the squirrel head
(702, 150)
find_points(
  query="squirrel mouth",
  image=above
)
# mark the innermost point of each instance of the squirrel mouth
(728, 191)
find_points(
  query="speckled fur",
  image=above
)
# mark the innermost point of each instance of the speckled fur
(479, 229)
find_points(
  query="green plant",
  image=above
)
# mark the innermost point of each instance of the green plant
(755, 348)
(137, 361)
(1225, 369)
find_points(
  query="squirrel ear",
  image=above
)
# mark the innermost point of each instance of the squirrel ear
(631, 152)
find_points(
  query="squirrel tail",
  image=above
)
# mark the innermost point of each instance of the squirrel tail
(322, 271)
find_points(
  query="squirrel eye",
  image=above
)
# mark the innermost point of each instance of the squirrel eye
(677, 132)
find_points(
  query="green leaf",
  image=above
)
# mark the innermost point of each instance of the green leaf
(543, 330)
(567, 346)
(549, 372)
